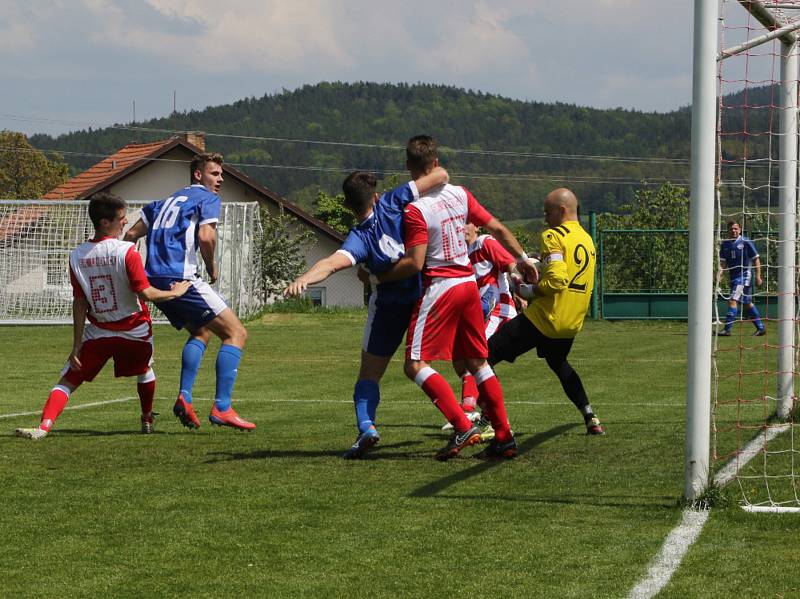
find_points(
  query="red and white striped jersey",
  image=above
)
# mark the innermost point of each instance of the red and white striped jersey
(490, 261)
(438, 219)
(108, 273)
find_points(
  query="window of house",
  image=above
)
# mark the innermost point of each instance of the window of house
(316, 295)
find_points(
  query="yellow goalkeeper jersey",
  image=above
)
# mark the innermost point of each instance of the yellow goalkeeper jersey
(566, 281)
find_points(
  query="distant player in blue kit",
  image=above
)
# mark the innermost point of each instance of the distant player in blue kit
(737, 255)
(377, 242)
(176, 228)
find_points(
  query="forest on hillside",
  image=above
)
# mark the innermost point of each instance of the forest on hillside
(509, 152)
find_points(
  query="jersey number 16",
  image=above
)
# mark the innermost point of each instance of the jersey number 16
(169, 212)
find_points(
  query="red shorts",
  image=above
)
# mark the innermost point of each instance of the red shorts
(131, 358)
(447, 323)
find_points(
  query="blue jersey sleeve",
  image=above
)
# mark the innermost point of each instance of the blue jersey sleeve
(399, 197)
(355, 246)
(752, 252)
(149, 213)
(209, 208)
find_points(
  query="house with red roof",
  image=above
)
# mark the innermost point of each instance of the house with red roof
(143, 172)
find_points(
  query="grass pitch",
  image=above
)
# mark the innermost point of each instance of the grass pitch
(97, 509)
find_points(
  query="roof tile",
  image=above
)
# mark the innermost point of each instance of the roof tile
(105, 169)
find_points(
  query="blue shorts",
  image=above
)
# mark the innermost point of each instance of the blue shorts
(196, 308)
(741, 292)
(386, 326)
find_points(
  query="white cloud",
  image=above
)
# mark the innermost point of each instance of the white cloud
(234, 37)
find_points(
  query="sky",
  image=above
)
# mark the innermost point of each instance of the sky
(71, 64)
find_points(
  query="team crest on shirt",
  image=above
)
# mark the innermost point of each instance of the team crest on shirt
(391, 248)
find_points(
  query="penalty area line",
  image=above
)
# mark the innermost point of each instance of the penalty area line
(683, 536)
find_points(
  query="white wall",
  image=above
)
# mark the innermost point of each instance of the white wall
(160, 179)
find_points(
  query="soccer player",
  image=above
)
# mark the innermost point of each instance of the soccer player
(108, 284)
(492, 264)
(738, 254)
(447, 322)
(556, 311)
(176, 227)
(377, 242)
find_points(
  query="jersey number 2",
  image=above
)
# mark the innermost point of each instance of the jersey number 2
(581, 257)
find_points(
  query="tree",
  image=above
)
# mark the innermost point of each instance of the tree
(331, 210)
(641, 259)
(25, 172)
(280, 253)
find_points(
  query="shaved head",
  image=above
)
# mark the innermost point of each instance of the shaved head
(560, 205)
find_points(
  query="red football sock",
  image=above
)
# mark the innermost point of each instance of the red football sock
(469, 393)
(56, 401)
(147, 392)
(435, 387)
(492, 397)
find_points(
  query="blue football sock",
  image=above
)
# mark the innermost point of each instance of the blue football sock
(730, 317)
(190, 363)
(227, 368)
(366, 396)
(756, 317)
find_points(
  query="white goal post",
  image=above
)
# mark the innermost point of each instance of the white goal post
(766, 23)
(36, 238)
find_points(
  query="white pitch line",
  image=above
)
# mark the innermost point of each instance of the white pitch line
(79, 407)
(388, 404)
(672, 551)
(678, 542)
(728, 472)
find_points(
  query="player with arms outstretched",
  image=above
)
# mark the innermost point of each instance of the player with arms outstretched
(108, 284)
(559, 302)
(176, 228)
(447, 322)
(376, 242)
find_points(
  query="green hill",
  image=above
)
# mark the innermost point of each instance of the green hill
(481, 136)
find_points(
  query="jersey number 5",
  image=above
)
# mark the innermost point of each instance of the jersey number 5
(581, 257)
(169, 212)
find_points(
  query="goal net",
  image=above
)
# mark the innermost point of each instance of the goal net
(755, 439)
(36, 238)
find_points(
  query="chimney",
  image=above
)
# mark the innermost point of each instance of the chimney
(196, 138)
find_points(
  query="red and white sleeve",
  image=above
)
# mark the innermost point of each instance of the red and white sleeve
(415, 229)
(476, 214)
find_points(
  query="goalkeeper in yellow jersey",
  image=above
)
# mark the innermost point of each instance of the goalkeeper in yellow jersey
(557, 304)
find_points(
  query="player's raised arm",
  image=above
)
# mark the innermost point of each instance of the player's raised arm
(506, 238)
(438, 176)
(321, 270)
(138, 230)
